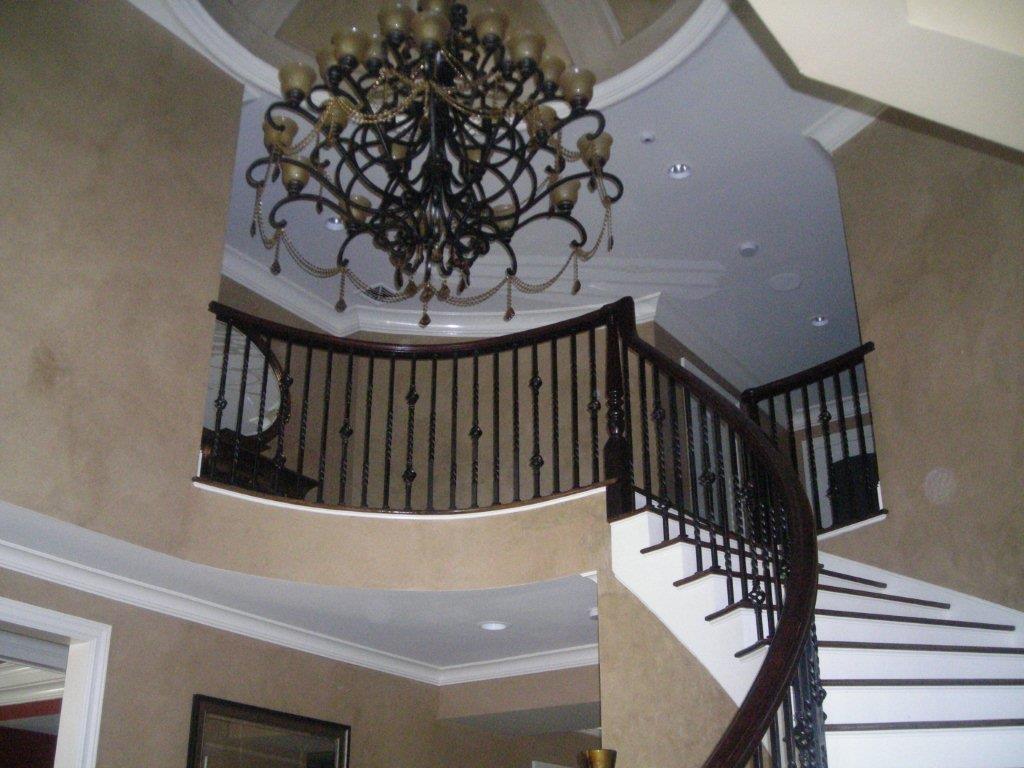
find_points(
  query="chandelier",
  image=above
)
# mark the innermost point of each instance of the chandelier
(439, 141)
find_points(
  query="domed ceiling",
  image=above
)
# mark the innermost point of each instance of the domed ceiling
(605, 36)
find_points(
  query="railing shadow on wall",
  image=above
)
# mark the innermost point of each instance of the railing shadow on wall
(437, 429)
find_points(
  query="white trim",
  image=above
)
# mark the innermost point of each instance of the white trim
(853, 527)
(85, 677)
(21, 683)
(189, 21)
(34, 651)
(528, 664)
(183, 606)
(842, 123)
(397, 515)
(303, 303)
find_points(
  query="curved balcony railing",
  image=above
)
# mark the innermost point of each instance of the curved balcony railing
(429, 429)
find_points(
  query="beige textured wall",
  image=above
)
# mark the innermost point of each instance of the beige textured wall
(157, 663)
(659, 705)
(935, 226)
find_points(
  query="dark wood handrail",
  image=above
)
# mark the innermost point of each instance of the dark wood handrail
(744, 733)
(821, 370)
(597, 317)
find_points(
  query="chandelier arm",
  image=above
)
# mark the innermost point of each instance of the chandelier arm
(568, 218)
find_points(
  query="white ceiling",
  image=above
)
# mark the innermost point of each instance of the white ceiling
(427, 635)
(727, 112)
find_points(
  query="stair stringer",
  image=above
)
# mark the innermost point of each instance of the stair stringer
(683, 609)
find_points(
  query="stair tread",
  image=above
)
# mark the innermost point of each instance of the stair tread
(913, 620)
(744, 603)
(883, 596)
(924, 682)
(700, 575)
(865, 645)
(913, 725)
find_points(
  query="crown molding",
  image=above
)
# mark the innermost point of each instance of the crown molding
(250, 273)
(843, 122)
(190, 21)
(112, 586)
(21, 684)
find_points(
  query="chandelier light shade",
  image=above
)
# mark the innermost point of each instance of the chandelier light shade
(438, 138)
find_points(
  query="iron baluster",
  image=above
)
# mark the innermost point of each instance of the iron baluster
(286, 383)
(536, 460)
(861, 438)
(515, 425)
(432, 434)
(453, 472)
(812, 461)
(678, 491)
(495, 431)
(366, 431)
(645, 440)
(237, 450)
(346, 432)
(220, 403)
(304, 416)
(825, 419)
(474, 433)
(593, 407)
(325, 420)
(258, 447)
(574, 409)
(411, 398)
(389, 426)
(555, 479)
(694, 492)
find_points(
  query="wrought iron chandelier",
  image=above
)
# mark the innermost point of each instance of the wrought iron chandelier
(439, 140)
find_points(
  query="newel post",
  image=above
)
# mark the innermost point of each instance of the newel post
(617, 449)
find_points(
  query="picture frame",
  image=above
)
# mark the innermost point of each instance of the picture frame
(229, 734)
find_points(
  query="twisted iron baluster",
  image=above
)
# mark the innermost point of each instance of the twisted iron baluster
(825, 418)
(474, 433)
(220, 403)
(594, 407)
(325, 418)
(366, 431)
(304, 416)
(411, 398)
(575, 408)
(237, 450)
(286, 383)
(432, 434)
(536, 460)
(555, 479)
(645, 441)
(389, 426)
(345, 432)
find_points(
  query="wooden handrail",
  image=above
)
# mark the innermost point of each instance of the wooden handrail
(821, 370)
(744, 733)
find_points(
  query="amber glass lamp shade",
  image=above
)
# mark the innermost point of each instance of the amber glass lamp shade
(325, 60)
(431, 28)
(351, 42)
(564, 196)
(542, 118)
(599, 758)
(279, 139)
(395, 19)
(504, 217)
(295, 176)
(527, 46)
(490, 23)
(436, 6)
(577, 86)
(551, 67)
(335, 117)
(296, 80)
(595, 152)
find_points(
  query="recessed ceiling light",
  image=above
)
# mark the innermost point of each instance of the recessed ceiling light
(646, 137)
(819, 321)
(785, 281)
(493, 626)
(749, 248)
(334, 224)
(679, 171)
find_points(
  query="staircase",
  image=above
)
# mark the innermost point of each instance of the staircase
(915, 676)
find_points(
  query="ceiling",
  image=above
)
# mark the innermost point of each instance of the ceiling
(606, 36)
(432, 636)
(729, 113)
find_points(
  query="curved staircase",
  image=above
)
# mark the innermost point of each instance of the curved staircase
(914, 675)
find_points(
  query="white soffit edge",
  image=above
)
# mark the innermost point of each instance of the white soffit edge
(189, 20)
(247, 272)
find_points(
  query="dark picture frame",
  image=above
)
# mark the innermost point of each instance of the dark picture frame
(205, 706)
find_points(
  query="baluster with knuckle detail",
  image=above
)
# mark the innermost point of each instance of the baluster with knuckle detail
(556, 484)
(411, 398)
(220, 403)
(495, 431)
(432, 434)
(474, 434)
(536, 460)
(345, 431)
(593, 407)
(574, 410)
(324, 420)
(237, 448)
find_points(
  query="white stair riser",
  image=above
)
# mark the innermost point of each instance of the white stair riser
(873, 630)
(859, 704)
(929, 748)
(857, 663)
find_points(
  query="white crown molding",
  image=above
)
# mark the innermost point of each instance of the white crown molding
(188, 20)
(250, 273)
(21, 684)
(183, 606)
(842, 123)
